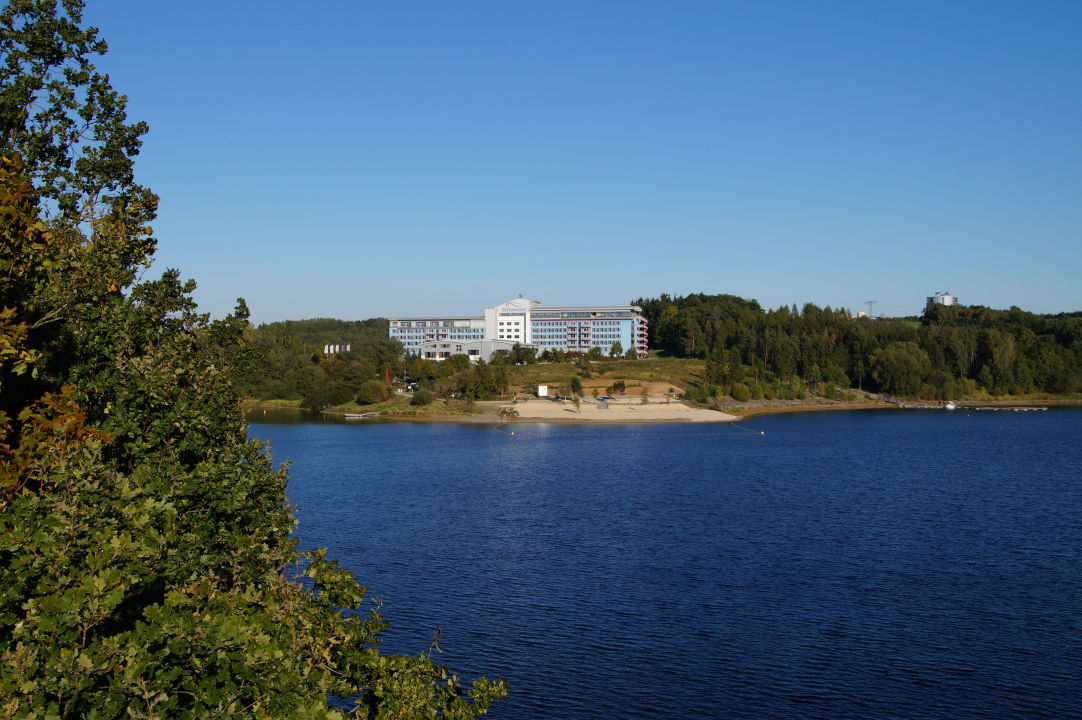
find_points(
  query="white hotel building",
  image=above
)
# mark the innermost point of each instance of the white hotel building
(526, 322)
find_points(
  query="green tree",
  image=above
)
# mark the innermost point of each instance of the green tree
(146, 563)
(421, 369)
(617, 349)
(576, 385)
(524, 354)
(900, 368)
(455, 363)
(146, 540)
(690, 338)
(327, 395)
(372, 391)
(63, 117)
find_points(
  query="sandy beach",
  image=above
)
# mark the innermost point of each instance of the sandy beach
(618, 411)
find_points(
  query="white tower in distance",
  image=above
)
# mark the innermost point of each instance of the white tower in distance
(943, 298)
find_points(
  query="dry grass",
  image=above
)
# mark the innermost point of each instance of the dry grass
(658, 375)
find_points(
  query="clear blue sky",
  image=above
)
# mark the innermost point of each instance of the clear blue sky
(361, 159)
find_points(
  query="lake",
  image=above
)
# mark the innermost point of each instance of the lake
(905, 564)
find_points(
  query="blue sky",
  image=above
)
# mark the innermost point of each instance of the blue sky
(361, 159)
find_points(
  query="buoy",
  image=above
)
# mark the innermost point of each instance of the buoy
(762, 433)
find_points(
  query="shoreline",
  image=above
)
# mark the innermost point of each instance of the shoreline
(535, 411)
(614, 412)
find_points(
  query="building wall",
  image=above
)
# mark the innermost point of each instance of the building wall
(413, 332)
(572, 329)
(473, 349)
(943, 298)
(554, 329)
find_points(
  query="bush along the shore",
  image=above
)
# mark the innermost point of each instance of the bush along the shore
(146, 564)
(421, 398)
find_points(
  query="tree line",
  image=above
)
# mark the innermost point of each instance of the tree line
(749, 352)
(948, 352)
(287, 360)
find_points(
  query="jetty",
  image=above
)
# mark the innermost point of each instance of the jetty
(951, 405)
(915, 406)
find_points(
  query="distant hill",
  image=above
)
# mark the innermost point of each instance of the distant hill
(317, 332)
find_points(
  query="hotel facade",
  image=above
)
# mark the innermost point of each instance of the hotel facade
(527, 323)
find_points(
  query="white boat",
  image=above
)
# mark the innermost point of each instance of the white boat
(950, 405)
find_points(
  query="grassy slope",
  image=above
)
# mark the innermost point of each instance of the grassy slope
(657, 374)
(397, 406)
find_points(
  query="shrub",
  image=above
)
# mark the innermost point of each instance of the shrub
(372, 391)
(700, 393)
(741, 392)
(421, 397)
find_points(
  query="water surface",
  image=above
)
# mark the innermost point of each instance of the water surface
(838, 565)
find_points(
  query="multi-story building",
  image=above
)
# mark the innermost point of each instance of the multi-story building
(943, 298)
(528, 323)
(413, 332)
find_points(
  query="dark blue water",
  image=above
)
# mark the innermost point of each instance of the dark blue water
(841, 565)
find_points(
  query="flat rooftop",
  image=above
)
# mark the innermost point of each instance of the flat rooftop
(440, 317)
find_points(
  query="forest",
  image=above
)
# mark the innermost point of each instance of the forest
(948, 352)
(286, 360)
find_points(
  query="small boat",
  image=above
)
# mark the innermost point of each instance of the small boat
(950, 405)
